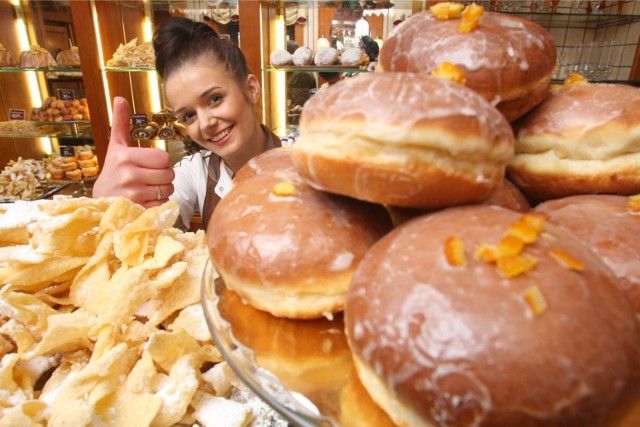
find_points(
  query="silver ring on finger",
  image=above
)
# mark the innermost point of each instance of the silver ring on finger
(159, 195)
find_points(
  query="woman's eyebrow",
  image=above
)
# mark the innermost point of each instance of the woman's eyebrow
(203, 94)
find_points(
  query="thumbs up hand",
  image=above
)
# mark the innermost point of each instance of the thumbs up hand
(143, 175)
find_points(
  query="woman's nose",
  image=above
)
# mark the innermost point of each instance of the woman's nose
(207, 119)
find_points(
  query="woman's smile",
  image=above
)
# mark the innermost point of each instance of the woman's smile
(221, 137)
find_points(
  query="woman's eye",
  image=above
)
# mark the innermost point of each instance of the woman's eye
(215, 99)
(186, 118)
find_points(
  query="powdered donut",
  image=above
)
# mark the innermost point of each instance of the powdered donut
(326, 56)
(302, 56)
(280, 57)
(351, 56)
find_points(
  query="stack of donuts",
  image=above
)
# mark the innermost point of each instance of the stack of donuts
(82, 164)
(508, 290)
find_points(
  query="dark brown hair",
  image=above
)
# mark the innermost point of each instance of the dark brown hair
(180, 40)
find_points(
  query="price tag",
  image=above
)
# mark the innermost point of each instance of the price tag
(139, 120)
(15, 114)
(67, 151)
(66, 95)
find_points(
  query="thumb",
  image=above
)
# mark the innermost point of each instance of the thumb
(121, 117)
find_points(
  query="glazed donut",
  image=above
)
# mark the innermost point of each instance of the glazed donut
(581, 139)
(307, 356)
(403, 139)
(67, 160)
(288, 249)
(326, 56)
(508, 196)
(441, 335)
(56, 173)
(89, 171)
(277, 160)
(280, 57)
(507, 59)
(302, 56)
(69, 166)
(73, 174)
(85, 153)
(351, 56)
(607, 225)
(86, 163)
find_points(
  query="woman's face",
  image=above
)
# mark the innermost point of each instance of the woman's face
(216, 110)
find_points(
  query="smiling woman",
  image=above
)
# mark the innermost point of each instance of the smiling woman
(208, 84)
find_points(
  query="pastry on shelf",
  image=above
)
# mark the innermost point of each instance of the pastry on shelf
(68, 58)
(6, 59)
(55, 110)
(37, 57)
(133, 55)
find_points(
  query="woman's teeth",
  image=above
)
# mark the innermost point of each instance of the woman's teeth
(221, 135)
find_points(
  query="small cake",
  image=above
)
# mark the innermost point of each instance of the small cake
(6, 59)
(36, 57)
(68, 58)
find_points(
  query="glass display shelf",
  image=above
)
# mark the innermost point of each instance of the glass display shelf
(320, 69)
(36, 129)
(42, 69)
(128, 69)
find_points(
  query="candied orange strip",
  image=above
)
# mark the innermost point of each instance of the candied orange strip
(284, 189)
(566, 260)
(446, 10)
(524, 232)
(470, 18)
(575, 79)
(634, 203)
(514, 265)
(536, 220)
(454, 251)
(450, 72)
(487, 253)
(510, 245)
(536, 300)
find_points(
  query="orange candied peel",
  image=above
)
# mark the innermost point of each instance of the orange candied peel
(449, 71)
(454, 251)
(575, 79)
(488, 253)
(528, 227)
(470, 18)
(567, 260)
(510, 245)
(446, 10)
(508, 257)
(284, 189)
(514, 265)
(634, 203)
(536, 300)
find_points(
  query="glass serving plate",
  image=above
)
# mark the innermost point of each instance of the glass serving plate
(302, 368)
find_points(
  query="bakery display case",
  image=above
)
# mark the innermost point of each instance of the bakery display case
(39, 62)
(597, 39)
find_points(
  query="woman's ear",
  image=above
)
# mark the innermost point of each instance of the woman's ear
(253, 88)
